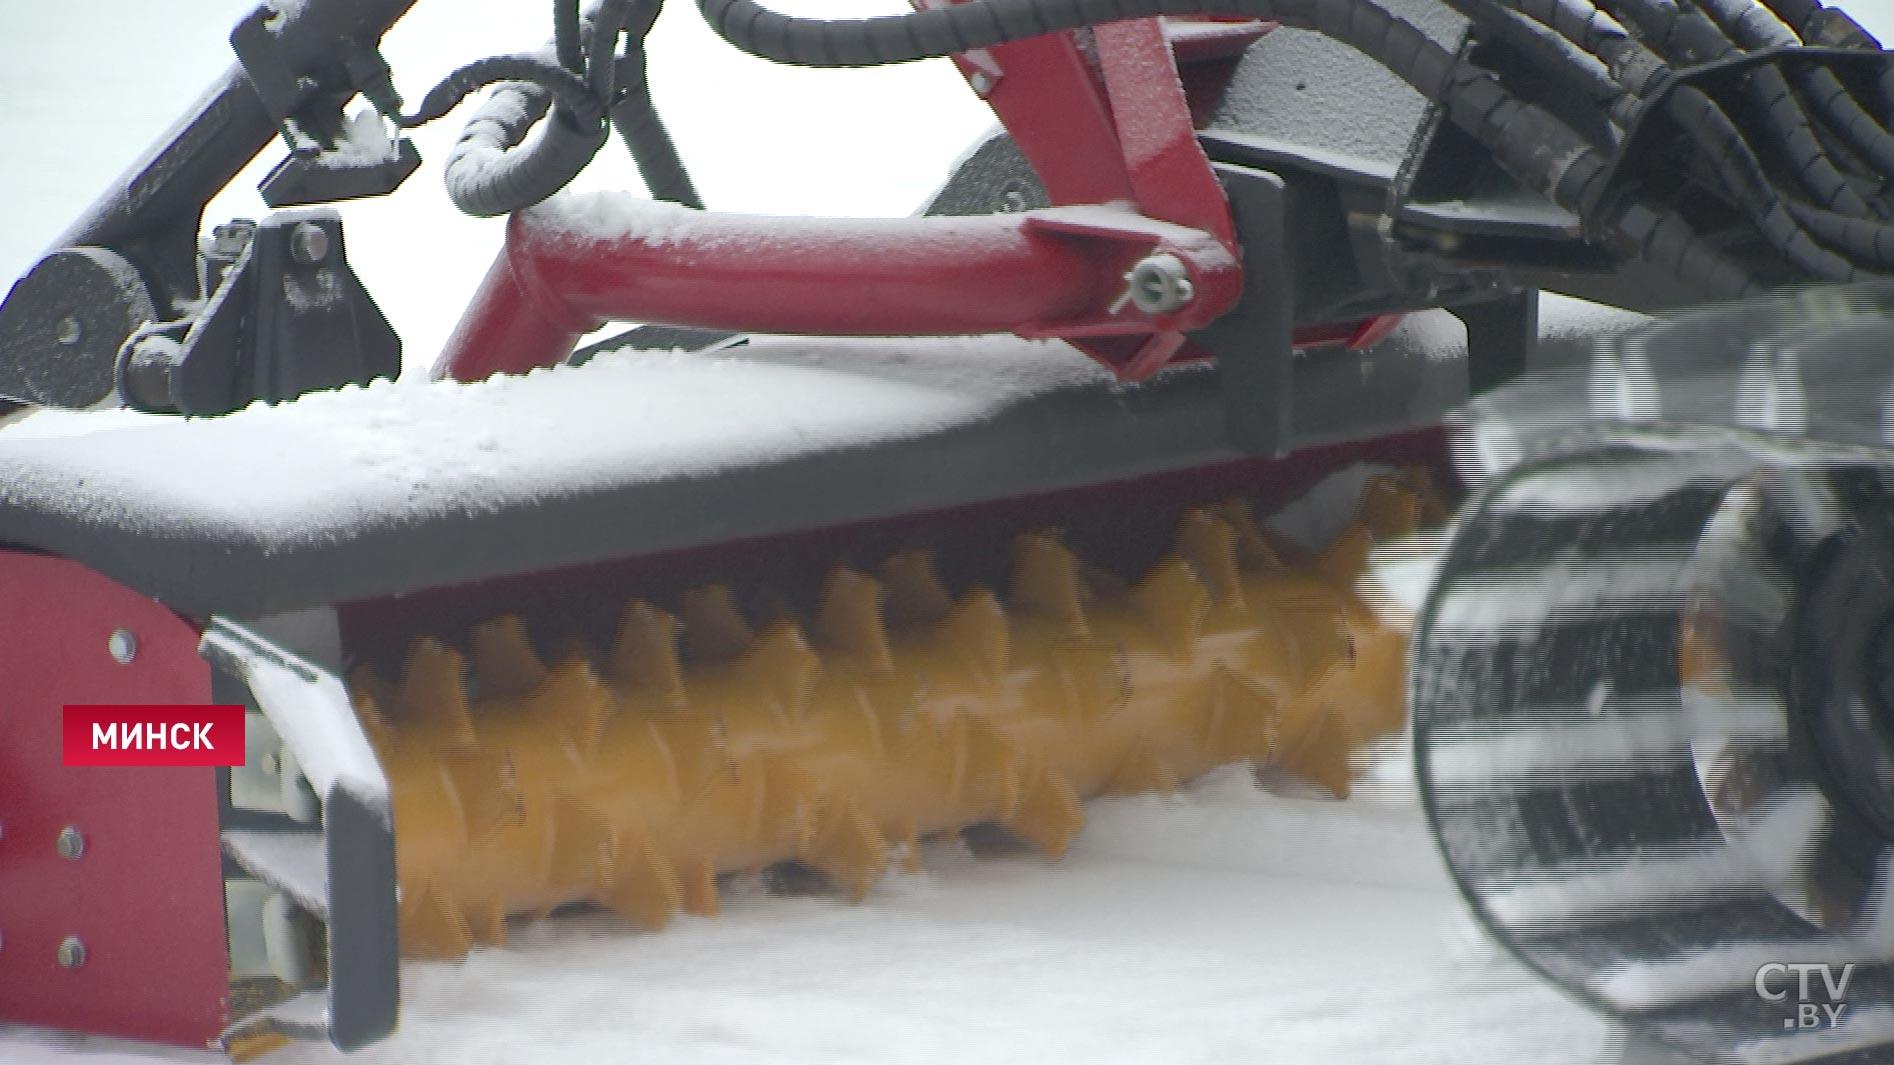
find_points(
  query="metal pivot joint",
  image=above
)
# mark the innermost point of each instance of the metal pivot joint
(286, 315)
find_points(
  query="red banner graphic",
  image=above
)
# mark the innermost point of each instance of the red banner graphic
(148, 735)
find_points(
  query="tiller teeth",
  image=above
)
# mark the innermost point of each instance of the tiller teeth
(709, 741)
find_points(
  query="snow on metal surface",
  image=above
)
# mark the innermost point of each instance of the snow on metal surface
(308, 707)
(305, 468)
(364, 142)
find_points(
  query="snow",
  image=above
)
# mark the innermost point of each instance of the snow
(364, 141)
(395, 447)
(309, 708)
(1198, 928)
(608, 215)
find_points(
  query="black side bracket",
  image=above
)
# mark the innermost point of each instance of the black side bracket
(286, 316)
(1254, 344)
(1501, 334)
(1291, 261)
(325, 854)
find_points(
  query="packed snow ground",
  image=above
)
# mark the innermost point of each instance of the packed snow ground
(1225, 924)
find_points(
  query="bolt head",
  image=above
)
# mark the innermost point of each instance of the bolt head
(71, 843)
(1160, 284)
(69, 331)
(123, 646)
(308, 243)
(981, 81)
(71, 953)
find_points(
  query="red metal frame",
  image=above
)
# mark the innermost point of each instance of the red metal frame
(1108, 129)
(1043, 273)
(145, 897)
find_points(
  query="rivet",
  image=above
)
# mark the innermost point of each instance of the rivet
(71, 843)
(69, 332)
(71, 953)
(123, 646)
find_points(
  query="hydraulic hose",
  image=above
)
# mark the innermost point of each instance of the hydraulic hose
(490, 174)
(565, 35)
(643, 132)
(1816, 24)
(1694, 37)
(1746, 27)
(1732, 158)
(492, 170)
(1867, 240)
(1555, 54)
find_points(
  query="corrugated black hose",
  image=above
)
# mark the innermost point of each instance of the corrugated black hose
(1641, 66)
(491, 172)
(1558, 57)
(1785, 120)
(650, 144)
(566, 45)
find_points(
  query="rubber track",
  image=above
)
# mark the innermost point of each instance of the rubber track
(1561, 739)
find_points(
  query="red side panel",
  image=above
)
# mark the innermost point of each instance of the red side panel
(145, 897)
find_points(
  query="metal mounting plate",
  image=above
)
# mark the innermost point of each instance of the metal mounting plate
(146, 895)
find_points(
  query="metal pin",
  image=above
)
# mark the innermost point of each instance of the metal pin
(71, 843)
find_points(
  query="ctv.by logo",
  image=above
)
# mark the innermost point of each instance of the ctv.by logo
(1776, 980)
